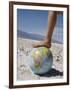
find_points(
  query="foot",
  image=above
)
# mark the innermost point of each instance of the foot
(42, 44)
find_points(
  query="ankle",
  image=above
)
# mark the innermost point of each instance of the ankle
(47, 41)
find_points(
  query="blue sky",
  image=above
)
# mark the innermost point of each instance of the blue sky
(35, 21)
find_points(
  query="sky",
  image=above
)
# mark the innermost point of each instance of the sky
(35, 21)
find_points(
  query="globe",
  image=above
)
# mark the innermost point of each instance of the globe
(40, 60)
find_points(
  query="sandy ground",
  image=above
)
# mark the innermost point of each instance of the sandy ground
(24, 46)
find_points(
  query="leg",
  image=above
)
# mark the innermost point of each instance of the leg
(51, 23)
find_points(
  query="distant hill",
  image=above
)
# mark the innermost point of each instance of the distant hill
(32, 36)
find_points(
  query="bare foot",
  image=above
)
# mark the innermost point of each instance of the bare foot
(42, 44)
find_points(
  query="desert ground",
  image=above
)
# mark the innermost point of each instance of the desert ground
(24, 46)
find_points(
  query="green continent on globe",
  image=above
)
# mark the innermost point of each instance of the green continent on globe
(38, 56)
(45, 51)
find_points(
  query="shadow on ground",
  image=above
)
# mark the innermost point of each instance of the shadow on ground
(52, 72)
